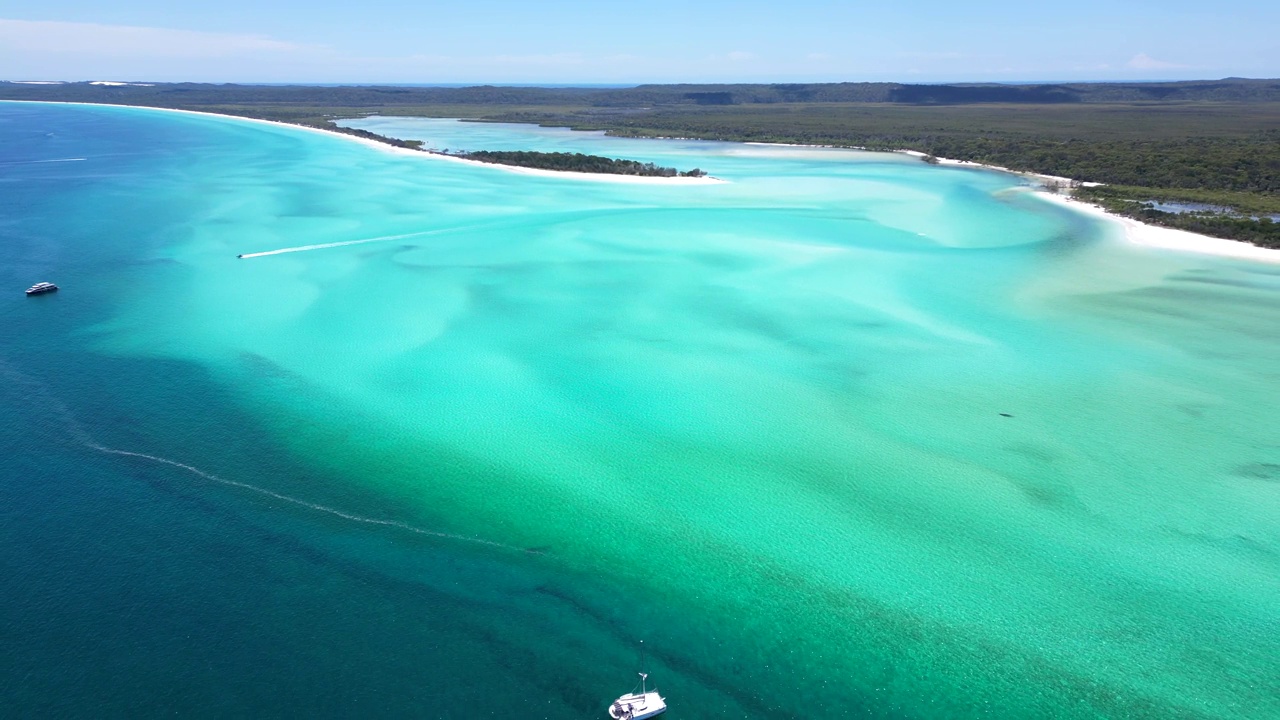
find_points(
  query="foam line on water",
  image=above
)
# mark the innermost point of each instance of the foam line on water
(296, 501)
(344, 243)
(48, 402)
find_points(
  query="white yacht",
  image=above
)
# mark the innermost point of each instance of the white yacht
(637, 706)
(41, 288)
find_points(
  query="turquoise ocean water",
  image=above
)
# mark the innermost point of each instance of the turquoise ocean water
(847, 435)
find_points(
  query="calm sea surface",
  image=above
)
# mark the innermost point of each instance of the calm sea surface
(847, 435)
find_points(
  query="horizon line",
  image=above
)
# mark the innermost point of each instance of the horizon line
(621, 84)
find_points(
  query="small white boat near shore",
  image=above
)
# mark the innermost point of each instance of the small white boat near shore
(637, 706)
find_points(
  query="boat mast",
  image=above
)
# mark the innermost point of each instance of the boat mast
(643, 675)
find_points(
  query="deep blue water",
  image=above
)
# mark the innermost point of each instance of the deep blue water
(135, 588)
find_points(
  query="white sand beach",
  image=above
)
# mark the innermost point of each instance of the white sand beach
(1156, 236)
(1138, 233)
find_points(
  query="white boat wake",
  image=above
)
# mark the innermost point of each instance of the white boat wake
(345, 243)
(36, 162)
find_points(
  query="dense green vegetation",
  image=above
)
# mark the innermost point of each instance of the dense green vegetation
(348, 96)
(367, 135)
(575, 162)
(1208, 141)
(1245, 203)
(1242, 216)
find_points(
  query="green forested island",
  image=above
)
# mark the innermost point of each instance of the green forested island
(1215, 143)
(574, 162)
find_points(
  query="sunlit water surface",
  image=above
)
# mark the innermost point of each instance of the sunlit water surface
(847, 435)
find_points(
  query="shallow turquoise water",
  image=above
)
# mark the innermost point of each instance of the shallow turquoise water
(464, 470)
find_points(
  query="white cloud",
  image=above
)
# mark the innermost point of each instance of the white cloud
(739, 56)
(122, 41)
(1143, 61)
(817, 57)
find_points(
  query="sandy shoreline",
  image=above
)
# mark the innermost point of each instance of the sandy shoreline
(562, 174)
(1156, 236)
(1138, 233)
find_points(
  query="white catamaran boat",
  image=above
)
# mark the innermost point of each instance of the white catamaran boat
(646, 704)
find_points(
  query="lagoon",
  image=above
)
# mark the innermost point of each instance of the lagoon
(846, 434)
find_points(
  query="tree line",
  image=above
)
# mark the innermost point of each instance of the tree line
(574, 162)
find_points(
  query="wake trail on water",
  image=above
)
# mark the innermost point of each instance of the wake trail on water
(345, 243)
(36, 162)
(438, 231)
(49, 402)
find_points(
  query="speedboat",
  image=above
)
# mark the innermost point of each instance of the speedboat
(44, 287)
(637, 706)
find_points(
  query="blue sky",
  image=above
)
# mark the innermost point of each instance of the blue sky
(549, 41)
